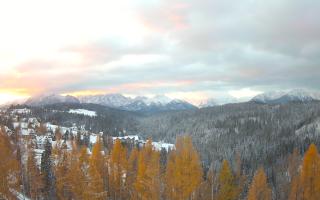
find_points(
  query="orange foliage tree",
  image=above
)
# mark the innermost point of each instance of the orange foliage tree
(118, 167)
(227, 188)
(184, 171)
(259, 189)
(309, 181)
(9, 168)
(147, 183)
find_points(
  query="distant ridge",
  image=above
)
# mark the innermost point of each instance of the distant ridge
(47, 99)
(118, 101)
(281, 97)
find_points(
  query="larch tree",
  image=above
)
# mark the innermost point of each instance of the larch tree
(61, 170)
(259, 189)
(58, 134)
(96, 186)
(78, 174)
(227, 187)
(118, 167)
(310, 175)
(147, 183)
(210, 185)
(9, 168)
(240, 178)
(184, 171)
(292, 188)
(132, 173)
(42, 129)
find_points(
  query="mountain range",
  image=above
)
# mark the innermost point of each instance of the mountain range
(164, 103)
(118, 101)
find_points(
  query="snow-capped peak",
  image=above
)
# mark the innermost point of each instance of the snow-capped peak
(268, 96)
(160, 99)
(50, 98)
(300, 94)
(287, 96)
(112, 100)
(208, 103)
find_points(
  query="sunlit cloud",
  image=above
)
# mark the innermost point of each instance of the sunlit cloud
(13, 95)
(244, 93)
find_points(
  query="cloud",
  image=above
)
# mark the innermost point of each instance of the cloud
(185, 48)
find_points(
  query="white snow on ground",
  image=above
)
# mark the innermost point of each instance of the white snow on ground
(38, 154)
(93, 139)
(19, 195)
(83, 112)
(131, 137)
(161, 145)
(21, 111)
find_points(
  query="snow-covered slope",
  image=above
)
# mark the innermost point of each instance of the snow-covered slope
(158, 99)
(268, 96)
(83, 112)
(111, 100)
(47, 99)
(118, 101)
(280, 97)
(139, 103)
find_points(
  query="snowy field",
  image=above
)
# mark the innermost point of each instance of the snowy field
(83, 112)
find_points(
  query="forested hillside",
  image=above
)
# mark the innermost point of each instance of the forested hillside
(238, 140)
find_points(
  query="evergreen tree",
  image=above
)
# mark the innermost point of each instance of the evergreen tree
(47, 172)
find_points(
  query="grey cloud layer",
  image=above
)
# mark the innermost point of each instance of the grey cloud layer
(218, 44)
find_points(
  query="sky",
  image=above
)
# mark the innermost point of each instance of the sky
(191, 49)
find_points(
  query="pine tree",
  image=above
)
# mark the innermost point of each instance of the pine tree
(259, 189)
(47, 172)
(184, 171)
(227, 188)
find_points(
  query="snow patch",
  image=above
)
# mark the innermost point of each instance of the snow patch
(83, 112)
